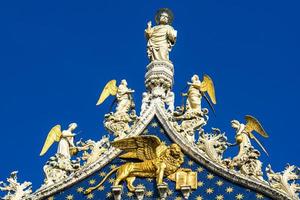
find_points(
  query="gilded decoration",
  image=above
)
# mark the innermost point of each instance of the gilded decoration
(158, 161)
(164, 153)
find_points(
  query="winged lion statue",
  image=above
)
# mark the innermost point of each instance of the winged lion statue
(157, 160)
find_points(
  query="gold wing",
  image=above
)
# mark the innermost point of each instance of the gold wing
(207, 85)
(53, 135)
(140, 147)
(109, 89)
(254, 125)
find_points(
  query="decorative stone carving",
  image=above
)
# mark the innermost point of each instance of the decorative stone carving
(93, 150)
(188, 122)
(161, 37)
(59, 167)
(159, 78)
(15, 190)
(119, 123)
(285, 181)
(213, 144)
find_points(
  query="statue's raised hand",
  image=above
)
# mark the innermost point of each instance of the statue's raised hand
(149, 25)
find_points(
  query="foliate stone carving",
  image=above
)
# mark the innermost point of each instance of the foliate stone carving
(93, 150)
(188, 122)
(59, 167)
(14, 189)
(119, 123)
(247, 164)
(213, 144)
(285, 181)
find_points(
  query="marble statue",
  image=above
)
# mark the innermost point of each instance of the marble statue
(162, 37)
(64, 138)
(197, 90)
(118, 122)
(247, 159)
(60, 165)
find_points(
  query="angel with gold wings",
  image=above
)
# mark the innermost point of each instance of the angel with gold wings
(64, 138)
(197, 90)
(154, 160)
(245, 132)
(123, 95)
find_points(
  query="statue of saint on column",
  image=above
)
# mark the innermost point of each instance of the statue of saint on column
(162, 37)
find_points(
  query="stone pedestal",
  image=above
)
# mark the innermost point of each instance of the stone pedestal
(163, 190)
(159, 78)
(117, 192)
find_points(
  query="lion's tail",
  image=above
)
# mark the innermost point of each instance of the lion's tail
(89, 190)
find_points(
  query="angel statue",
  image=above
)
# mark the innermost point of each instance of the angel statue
(123, 95)
(64, 138)
(15, 190)
(193, 117)
(197, 90)
(247, 158)
(118, 122)
(60, 165)
(162, 37)
(156, 160)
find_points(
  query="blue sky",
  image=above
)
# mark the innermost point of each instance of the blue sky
(55, 58)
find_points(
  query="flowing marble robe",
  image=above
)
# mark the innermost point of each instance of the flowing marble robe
(194, 96)
(161, 38)
(65, 143)
(124, 99)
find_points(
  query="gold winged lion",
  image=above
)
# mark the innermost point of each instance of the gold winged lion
(157, 161)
